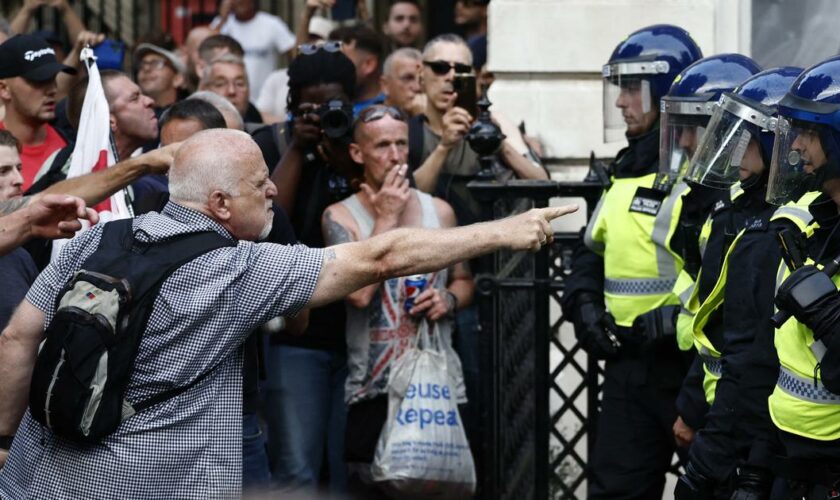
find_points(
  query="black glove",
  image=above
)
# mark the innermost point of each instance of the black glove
(657, 324)
(595, 327)
(693, 486)
(752, 483)
(812, 298)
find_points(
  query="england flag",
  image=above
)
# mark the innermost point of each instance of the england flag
(94, 149)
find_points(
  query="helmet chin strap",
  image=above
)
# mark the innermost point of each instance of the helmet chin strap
(755, 181)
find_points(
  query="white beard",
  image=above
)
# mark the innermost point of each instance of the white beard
(266, 229)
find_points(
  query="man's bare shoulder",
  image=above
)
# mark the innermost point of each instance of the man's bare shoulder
(338, 225)
(444, 212)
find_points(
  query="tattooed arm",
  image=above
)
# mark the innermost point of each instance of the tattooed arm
(9, 206)
(48, 216)
(406, 251)
(339, 227)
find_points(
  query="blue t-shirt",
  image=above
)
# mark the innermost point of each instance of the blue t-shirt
(361, 105)
(19, 272)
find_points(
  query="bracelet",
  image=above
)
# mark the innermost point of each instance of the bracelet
(452, 303)
(6, 442)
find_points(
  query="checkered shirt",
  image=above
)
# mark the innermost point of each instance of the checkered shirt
(190, 446)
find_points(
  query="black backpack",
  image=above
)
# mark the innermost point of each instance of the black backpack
(86, 359)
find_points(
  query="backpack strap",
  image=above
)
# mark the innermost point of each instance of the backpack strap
(146, 267)
(278, 130)
(415, 142)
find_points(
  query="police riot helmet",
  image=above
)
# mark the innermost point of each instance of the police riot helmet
(689, 104)
(738, 142)
(646, 62)
(806, 154)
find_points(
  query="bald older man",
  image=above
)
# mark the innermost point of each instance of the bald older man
(188, 446)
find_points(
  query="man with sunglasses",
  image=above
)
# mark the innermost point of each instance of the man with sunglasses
(443, 163)
(379, 327)
(441, 160)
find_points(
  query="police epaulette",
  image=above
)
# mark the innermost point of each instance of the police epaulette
(756, 223)
(719, 206)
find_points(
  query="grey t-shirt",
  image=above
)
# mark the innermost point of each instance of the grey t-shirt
(461, 160)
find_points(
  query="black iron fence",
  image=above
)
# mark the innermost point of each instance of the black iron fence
(534, 429)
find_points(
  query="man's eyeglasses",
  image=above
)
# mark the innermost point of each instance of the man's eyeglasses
(443, 67)
(151, 64)
(308, 49)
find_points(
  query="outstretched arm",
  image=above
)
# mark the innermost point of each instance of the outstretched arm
(45, 216)
(403, 252)
(99, 185)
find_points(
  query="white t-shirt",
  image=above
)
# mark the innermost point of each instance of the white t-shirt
(262, 38)
(272, 99)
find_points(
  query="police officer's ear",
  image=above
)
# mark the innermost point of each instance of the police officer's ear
(5, 93)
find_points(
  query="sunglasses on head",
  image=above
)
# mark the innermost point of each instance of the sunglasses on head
(443, 67)
(308, 49)
(379, 111)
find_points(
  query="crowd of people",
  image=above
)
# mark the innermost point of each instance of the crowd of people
(274, 357)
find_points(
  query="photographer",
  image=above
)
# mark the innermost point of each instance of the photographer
(312, 168)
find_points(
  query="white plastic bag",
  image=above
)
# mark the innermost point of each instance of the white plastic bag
(423, 451)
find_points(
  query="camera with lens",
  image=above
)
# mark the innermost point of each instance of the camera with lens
(336, 118)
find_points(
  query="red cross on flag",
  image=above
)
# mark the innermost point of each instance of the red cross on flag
(94, 149)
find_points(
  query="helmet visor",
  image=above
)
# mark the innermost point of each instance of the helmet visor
(622, 92)
(798, 158)
(682, 125)
(724, 154)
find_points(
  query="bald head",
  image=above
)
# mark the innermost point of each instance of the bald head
(212, 160)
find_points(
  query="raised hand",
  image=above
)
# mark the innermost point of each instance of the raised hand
(391, 199)
(54, 216)
(456, 124)
(159, 160)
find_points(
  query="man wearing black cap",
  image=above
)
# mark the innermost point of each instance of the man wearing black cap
(28, 68)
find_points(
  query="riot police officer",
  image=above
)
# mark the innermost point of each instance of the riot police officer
(805, 402)
(686, 111)
(734, 293)
(627, 266)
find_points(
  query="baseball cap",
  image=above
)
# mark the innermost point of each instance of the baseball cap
(148, 48)
(30, 57)
(320, 27)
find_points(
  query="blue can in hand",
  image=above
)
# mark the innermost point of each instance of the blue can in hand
(414, 285)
